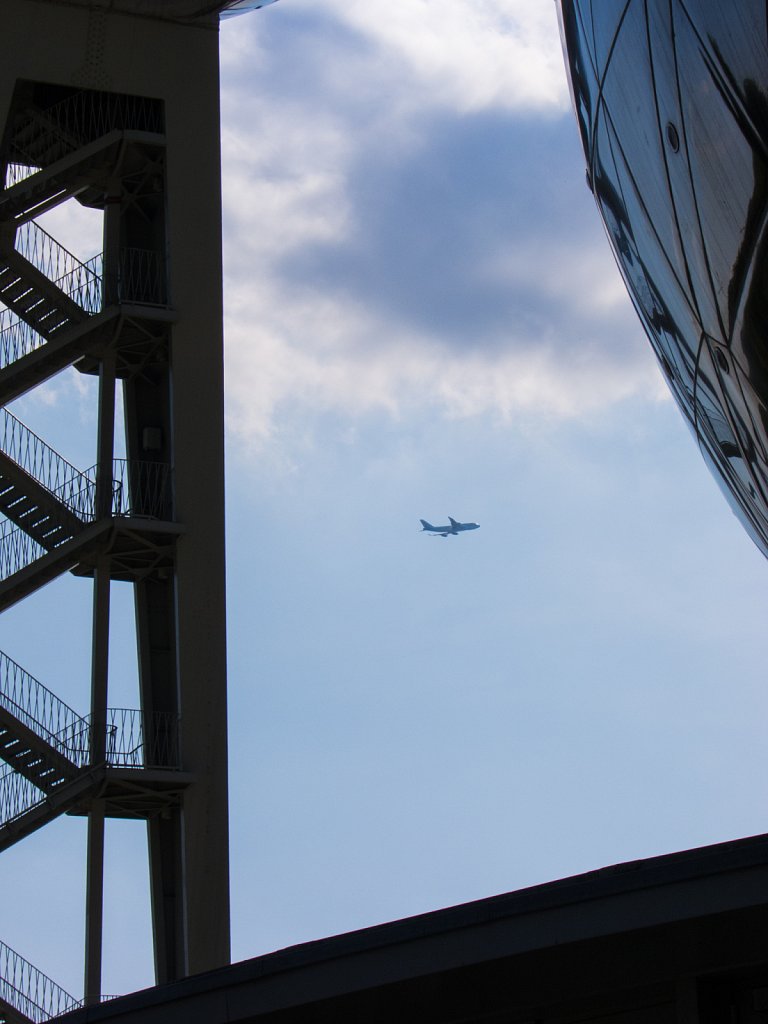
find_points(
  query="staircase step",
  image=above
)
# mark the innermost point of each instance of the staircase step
(29, 293)
(13, 289)
(35, 505)
(29, 302)
(32, 756)
(26, 303)
(21, 505)
(25, 758)
(47, 323)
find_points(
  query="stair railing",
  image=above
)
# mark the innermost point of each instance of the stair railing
(135, 739)
(39, 139)
(29, 991)
(153, 747)
(141, 489)
(82, 282)
(142, 277)
(16, 172)
(17, 338)
(82, 117)
(140, 739)
(75, 490)
(18, 796)
(35, 706)
(88, 114)
(17, 550)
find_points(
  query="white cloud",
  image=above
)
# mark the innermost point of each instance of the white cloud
(284, 177)
(312, 354)
(583, 280)
(298, 346)
(469, 55)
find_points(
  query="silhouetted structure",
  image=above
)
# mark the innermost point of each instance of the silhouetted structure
(681, 939)
(116, 106)
(672, 103)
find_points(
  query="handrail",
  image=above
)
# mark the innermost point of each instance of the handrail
(18, 796)
(16, 172)
(37, 707)
(135, 739)
(17, 338)
(82, 117)
(142, 739)
(75, 490)
(17, 550)
(88, 114)
(141, 489)
(24, 987)
(142, 278)
(82, 282)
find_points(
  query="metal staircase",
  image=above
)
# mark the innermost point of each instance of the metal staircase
(47, 504)
(111, 316)
(57, 308)
(51, 769)
(44, 284)
(40, 491)
(31, 756)
(26, 994)
(107, 151)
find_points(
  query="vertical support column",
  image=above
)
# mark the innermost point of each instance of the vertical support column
(106, 438)
(197, 421)
(94, 912)
(94, 899)
(112, 230)
(94, 893)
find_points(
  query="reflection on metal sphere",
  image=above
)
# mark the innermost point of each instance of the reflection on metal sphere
(241, 6)
(672, 105)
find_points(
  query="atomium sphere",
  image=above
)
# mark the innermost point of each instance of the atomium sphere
(241, 6)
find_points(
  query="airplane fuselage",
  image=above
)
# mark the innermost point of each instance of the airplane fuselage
(453, 530)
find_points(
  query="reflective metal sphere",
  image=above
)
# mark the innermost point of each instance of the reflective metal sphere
(241, 6)
(672, 104)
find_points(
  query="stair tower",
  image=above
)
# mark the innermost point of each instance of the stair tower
(115, 105)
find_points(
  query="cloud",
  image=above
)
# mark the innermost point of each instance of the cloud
(470, 56)
(304, 356)
(401, 232)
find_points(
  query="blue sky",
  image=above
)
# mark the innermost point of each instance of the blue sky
(423, 320)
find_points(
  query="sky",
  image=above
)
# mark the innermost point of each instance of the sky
(424, 319)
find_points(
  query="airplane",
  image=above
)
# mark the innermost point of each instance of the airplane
(443, 531)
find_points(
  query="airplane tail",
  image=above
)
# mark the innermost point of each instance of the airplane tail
(425, 525)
